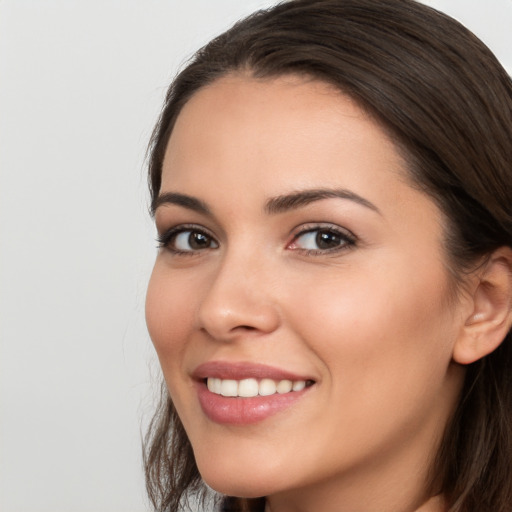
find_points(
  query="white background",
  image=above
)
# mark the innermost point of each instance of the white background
(81, 84)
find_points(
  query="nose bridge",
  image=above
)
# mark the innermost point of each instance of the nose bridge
(240, 297)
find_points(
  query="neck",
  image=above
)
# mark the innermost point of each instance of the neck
(379, 487)
(433, 504)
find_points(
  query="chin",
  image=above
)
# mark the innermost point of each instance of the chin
(243, 482)
(240, 488)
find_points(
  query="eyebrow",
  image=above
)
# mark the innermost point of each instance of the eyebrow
(302, 198)
(275, 205)
(189, 202)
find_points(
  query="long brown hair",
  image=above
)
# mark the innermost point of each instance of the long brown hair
(447, 103)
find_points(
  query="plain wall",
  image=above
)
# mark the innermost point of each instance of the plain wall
(81, 84)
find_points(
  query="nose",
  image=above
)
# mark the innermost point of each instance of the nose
(239, 300)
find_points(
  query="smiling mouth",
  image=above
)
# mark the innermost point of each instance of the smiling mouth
(249, 388)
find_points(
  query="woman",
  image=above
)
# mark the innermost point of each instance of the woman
(331, 303)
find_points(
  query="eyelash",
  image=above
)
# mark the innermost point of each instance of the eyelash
(167, 238)
(346, 238)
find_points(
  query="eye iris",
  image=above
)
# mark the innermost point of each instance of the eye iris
(198, 240)
(327, 240)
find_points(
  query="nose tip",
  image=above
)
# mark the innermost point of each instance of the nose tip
(235, 307)
(225, 323)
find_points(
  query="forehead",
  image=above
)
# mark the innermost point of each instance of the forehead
(289, 126)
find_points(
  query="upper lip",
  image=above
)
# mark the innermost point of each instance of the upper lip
(243, 370)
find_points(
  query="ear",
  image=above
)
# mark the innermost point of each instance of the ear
(491, 316)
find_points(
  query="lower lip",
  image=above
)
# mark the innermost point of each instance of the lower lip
(244, 411)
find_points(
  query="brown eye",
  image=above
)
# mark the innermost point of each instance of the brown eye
(198, 241)
(328, 239)
(190, 240)
(322, 239)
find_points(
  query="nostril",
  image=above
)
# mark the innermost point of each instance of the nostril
(223, 316)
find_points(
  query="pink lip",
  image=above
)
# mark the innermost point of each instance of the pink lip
(242, 370)
(243, 411)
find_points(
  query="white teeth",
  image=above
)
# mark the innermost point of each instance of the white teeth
(299, 385)
(215, 385)
(229, 388)
(267, 387)
(248, 388)
(285, 386)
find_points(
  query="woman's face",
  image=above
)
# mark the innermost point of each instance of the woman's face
(295, 254)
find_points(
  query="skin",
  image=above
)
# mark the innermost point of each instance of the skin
(373, 322)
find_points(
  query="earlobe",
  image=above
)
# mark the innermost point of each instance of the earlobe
(491, 316)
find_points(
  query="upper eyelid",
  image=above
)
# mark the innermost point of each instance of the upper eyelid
(351, 240)
(316, 226)
(294, 233)
(186, 226)
(165, 236)
(165, 224)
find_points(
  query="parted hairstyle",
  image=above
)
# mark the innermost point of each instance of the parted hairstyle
(446, 102)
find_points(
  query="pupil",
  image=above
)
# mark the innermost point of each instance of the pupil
(327, 240)
(198, 241)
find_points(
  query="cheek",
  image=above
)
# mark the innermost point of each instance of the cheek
(384, 345)
(379, 328)
(169, 315)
